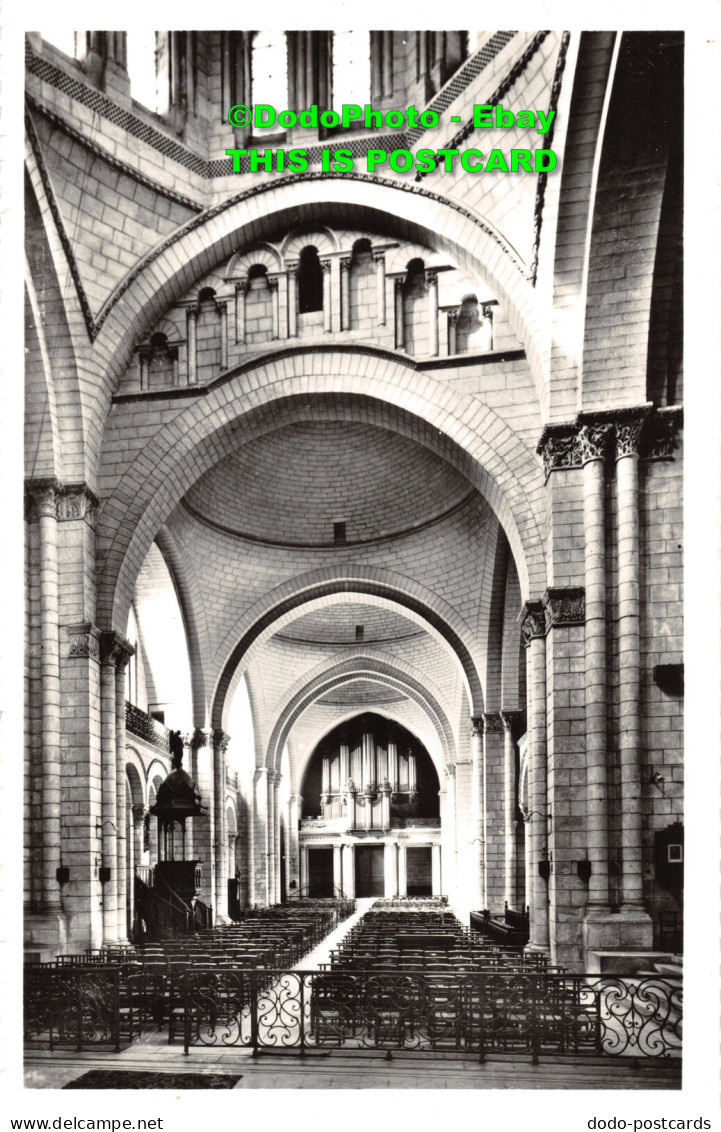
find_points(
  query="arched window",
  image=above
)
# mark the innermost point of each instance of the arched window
(351, 68)
(258, 276)
(310, 281)
(363, 288)
(269, 69)
(141, 67)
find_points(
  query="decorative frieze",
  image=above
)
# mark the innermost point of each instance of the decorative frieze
(564, 606)
(83, 641)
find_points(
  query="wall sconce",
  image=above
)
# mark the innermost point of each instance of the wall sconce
(584, 870)
(62, 874)
(527, 814)
(544, 869)
(104, 873)
(657, 779)
(100, 825)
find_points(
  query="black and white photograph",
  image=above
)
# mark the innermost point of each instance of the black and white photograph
(352, 625)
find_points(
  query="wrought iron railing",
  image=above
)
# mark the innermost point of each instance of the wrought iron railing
(231, 778)
(147, 728)
(481, 1014)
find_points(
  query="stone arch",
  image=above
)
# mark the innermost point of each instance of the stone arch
(191, 609)
(377, 203)
(485, 449)
(267, 616)
(136, 776)
(393, 673)
(265, 255)
(397, 259)
(322, 238)
(298, 767)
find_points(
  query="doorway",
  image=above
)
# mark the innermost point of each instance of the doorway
(369, 875)
(320, 873)
(419, 871)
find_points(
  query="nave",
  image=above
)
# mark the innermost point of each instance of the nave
(398, 977)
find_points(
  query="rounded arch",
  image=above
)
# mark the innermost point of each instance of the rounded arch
(378, 205)
(137, 779)
(264, 617)
(298, 766)
(265, 255)
(157, 773)
(393, 674)
(231, 816)
(468, 434)
(323, 239)
(190, 601)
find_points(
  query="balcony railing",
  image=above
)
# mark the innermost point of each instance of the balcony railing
(231, 778)
(139, 723)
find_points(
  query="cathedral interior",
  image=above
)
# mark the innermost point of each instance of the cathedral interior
(353, 502)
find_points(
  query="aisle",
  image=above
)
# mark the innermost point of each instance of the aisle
(321, 953)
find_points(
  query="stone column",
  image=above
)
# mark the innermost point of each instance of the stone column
(220, 749)
(222, 309)
(259, 839)
(337, 870)
(304, 869)
(136, 854)
(628, 433)
(510, 807)
(241, 290)
(379, 259)
(448, 833)
(191, 345)
(534, 638)
(345, 293)
(295, 807)
(453, 330)
(325, 266)
(494, 790)
(122, 652)
(593, 442)
(390, 860)
(42, 509)
(292, 274)
(400, 335)
(272, 869)
(436, 868)
(467, 884)
(402, 870)
(477, 846)
(274, 306)
(432, 288)
(111, 785)
(349, 869)
(144, 362)
(203, 758)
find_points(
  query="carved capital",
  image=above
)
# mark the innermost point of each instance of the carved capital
(48, 498)
(628, 437)
(40, 499)
(659, 439)
(558, 448)
(192, 310)
(593, 442)
(345, 263)
(272, 282)
(475, 725)
(139, 811)
(83, 640)
(453, 316)
(532, 622)
(492, 723)
(379, 257)
(115, 650)
(291, 269)
(242, 287)
(512, 719)
(564, 606)
(488, 308)
(220, 741)
(431, 279)
(199, 738)
(325, 266)
(398, 284)
(77, 501)
(450, 771)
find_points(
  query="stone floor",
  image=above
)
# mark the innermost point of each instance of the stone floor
(45, 1070)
